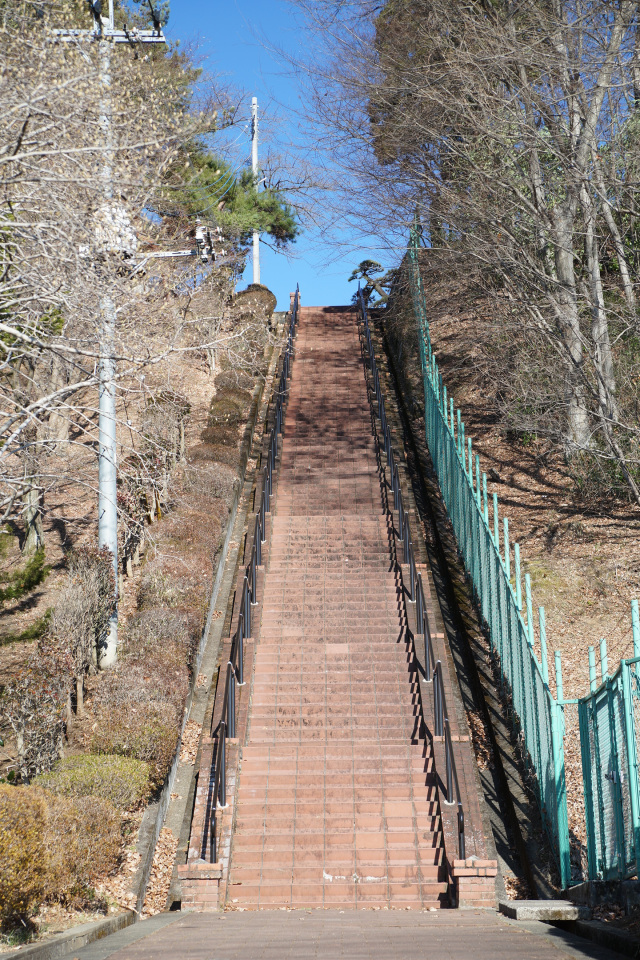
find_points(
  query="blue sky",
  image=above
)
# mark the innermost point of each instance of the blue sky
(227, 34)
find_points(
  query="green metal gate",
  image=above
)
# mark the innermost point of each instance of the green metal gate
(609, 720)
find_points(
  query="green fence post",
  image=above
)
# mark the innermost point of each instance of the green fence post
(615, 774)
(632, 760)
(518, 638)
(562, 820)
(527, 588)
(496, 524)
(533, 673)
(484, 499)
(543, 646)
(587, 781)
(507, 551)
(603, 660)
(460, 433)
(635, 627)
(593, 682)
(516, 556)
(559, 690)
(507, 606)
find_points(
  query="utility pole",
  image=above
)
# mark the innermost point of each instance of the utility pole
(254, 168)
(104, 31)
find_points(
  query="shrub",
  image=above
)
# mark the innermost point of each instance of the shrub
(165, 641)
(83, 840)
(139, 704)
(81, 618)
(147, 731)
(35, 705)
(123, 782)
(22, 853)
(52, 848)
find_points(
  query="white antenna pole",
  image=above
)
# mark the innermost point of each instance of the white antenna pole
(254, 168)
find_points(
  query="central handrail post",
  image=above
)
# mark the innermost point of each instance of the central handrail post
(246, 604)
(265, 492)
(254, 567)
(263, 517)
(222, 796)
(240, 649)
(231, 700)
(412, 572)
(419, 604)
(448, 760)
(257, 544)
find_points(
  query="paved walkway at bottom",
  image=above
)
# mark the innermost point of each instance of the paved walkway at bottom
(337, 935)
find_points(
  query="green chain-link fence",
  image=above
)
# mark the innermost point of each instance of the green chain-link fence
(609, 725)
(609, 716)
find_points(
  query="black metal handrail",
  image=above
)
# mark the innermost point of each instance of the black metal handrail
(226, 727)
(415, 591)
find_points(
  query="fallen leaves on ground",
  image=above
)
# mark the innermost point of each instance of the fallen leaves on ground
(608, 911)
(517, 888)
(480, 739)
(190, 741)
(117, 887)
(160, 876)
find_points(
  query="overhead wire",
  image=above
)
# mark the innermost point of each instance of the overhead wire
(227, 179)
(230, 181)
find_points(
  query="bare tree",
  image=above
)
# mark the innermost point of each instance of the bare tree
(512, 128)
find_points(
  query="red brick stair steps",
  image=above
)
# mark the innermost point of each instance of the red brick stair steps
(336, 801)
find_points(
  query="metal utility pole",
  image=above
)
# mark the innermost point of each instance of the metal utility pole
(104, 31)
(254, 168)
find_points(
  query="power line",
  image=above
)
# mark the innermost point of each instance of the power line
(218, 196)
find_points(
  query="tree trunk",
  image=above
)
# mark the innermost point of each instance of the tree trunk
(58, 431)
(599, 328)
(34, 532)
(625, 275)
(80, 696)
(578, 434)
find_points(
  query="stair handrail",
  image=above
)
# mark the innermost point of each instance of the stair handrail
(415, 591)
(226, 726)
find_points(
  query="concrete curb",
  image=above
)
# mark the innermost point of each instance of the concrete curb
(606, 936)
(65, 943)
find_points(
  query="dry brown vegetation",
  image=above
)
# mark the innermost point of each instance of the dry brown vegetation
(136, 709)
